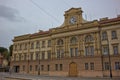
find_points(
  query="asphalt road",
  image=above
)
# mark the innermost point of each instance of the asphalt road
(3, 75)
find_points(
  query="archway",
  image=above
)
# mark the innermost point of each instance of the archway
(73, 69)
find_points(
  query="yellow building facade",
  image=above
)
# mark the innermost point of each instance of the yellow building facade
(76, 48)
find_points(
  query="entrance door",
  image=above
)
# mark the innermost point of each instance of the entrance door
(16, 69)
(73, 69)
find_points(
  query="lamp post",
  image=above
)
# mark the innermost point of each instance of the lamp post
(110, 69)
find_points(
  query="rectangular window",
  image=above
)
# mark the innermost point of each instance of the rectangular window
(14, 57)
(76, 51)
(25, 46)
(37, 55)
(36, 67)
(106, 66)
(58, 54)
(31, 56)
(43, 54)
(114, 35)
(32, 45)
(30, 67)
(20, 46)
(42, 67)
(48, 67)
(115, 49)
(37, 44)
(49, 54)
(19, 56)
(91, 66)
(49, 43)
(117, 65)
(43, 44)
(89, 51)
(105, 50)
(104, 35)
(61, 67)
(71, 52)
(25, 56)
(86, 66)
(56, 67)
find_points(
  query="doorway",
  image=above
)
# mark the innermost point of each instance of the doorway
(73, 69)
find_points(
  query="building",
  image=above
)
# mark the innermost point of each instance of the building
(76, 48)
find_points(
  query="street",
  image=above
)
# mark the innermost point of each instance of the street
(12, 76)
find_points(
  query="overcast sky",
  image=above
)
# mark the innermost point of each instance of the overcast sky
(18, 17)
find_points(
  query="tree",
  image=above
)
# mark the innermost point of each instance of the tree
(10, 50)
(4, 52)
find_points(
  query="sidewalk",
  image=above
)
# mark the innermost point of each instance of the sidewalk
(17, 76)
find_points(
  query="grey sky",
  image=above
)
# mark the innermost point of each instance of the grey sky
(18, 17)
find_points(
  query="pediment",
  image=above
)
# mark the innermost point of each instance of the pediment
(73, 10)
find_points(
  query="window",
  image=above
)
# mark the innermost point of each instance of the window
(42, 67)
(43, 54)
(104, 35)
(106, 66)
(88, 38)
(105, 50)
(91, 66)
(25, 48)
(36, 67)
(37, 44)
(20, 46)
(43, 44)
(60, 53)
(115, 49)
(56, 67)
(71, 52)
(23, 67)
(117, 65)
(76, 51)
(73, 40)
(20, 56)
(15, 57)
(31, 56)
(60, 42)
(89, 50)
(37, 55)
(30, 67)
(15, 47)
(114, 35)
(25, 56)
(48, 67)
(32, 45)
(49, 54)
(86, 66)
(49, 43)
(61, 67)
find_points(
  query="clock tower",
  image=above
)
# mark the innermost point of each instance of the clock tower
(73, 16)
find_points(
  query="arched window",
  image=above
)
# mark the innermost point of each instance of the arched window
(60, 42)
(88, 38)
(73, 40)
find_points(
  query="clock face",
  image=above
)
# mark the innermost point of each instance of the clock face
(73, 20)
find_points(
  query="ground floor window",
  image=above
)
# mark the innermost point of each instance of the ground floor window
(106, 66)
(91, 66)
(86, 66)
(117, 65)
(23, 67)
(30, 67)
(61, 67)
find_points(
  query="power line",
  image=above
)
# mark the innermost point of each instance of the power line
(44, 11)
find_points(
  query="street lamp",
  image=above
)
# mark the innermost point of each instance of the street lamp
(39, 62)
(110, 69)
